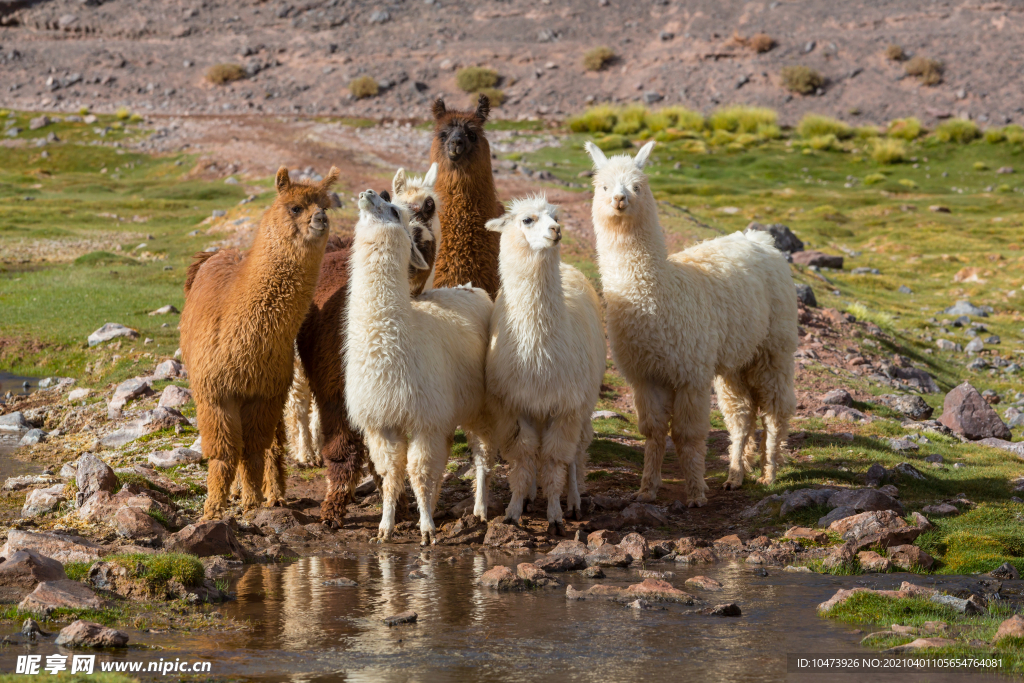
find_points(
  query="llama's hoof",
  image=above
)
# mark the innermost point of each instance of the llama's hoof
(697, 502)
(528, 506)
(511, 520)
(646, 496)
(556, 529)
(766, 481)
(731, 485)
(575, 514)
(428, 538)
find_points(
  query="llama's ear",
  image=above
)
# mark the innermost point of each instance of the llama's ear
(282, 182)
(500, 223)
(643, 155)
(385, 195)
(438, 109)
(330, 179)
(416, 259)
(431, 178)
(596, 154)
(483, 107)
(398, 184)
(428, 209)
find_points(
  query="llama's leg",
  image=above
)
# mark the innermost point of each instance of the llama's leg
(388, 452)
(577, 470)
(482, 463)
(691, 422)
(520, 450)
(653, 407)
(221, 427)
(557, 451)
(260, 421)
(772, 379)
(427, 459)
(274, 472)
(236, 485)
(297, 419)
(343, 451)
(736, 404)
(316, 434)
(753, 455)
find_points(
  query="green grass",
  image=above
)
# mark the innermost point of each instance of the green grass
(157, 569)
(77, 571)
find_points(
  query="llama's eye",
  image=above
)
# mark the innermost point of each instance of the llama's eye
(604, 187)
(472, 136)
(295, 211)
(636, 188)
(527, 221)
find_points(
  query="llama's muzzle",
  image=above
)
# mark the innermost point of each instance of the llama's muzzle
(620, 202)
(318, 223)
(556, 233)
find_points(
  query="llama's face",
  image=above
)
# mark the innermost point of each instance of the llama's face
(619, 182)
(532, 218)
(302, 208)
(460, 134)
(377, 212)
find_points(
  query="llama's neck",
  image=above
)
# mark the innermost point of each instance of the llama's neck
(469, 190)
(278, 282)
(379, 282)
(632, 254)
(532, 290)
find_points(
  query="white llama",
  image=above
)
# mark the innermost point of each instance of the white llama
(545, 361)
(722, 312)
(414, 368)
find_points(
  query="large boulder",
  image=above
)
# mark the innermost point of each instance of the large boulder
(881, 527)
(26, 568)
(89, 634)
(969, 415)
(94, 475)
(206, 539)
(63, 548)
(62, 593)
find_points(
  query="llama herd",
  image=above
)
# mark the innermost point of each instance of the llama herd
(447, 311)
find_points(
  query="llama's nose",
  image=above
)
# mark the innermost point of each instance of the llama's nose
(556, 231)
(620, 201)
(319, 221)
(455, 148)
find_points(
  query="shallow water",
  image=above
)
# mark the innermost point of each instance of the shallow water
(306, 631)
(16, 384)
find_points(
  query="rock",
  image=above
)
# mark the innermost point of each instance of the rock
(785, 240)
(657, 590)
(403, 618)
(799, 532)
(837, 397)
(596, 539)
(26, 568)
(905, 469)
(819, 259)
(805, 498)
(63, 548)
(608, 556)
(340, 581)
(1010, 628)
(871, 561)
(903, 289)
(651, 97)
(14, 422)
(805, 295)
(89, 634)
(1004, 170)
(28, 481)
(127, 391)
(875, 475)
(902, 445)
(174, 458)
(704, 582)
(730, 609)
(94, 475)
(921, 522)
(499, 533)
(535, 577)
(836, 514)
(769, 505)
(593, 573)
(968, 414)
(863, 270)
(111, 331)
(62, 593)
(216, 567)
(466, 529)
(501, 578)
(131, 522)
(865, 500)
(915, 377)
(609, 502)
(907, 557)
(933, 458)
(961, 605)
(1005, 572)
(561, 563)
(921, 644)
(205, 539)
(607, 415)
(879, 527)
(911, 406)
(698, 556)
(797, 569)
(1015, 447)
(41, 501)
(941, 510)
(149, 421)
(975, 345)
(571, 547)
(732, 541)
(946, 345)
(169, 369)
(280, 520)
(165, 310)
(32, 437)
(636, 546)
(965, 308)
(644, 514)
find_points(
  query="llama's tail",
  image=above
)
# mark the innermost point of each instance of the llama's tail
(193, 270)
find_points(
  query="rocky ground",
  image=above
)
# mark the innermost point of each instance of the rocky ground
(152, 55)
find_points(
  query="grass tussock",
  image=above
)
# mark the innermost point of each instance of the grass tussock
(635, 119)
(476, 78)
(905, 129)
(926, 69)
(813, 125)
(363, 87)
(960, 131)
(597, 58)
(759, 42)
(158, 569)
(743, 119)
(895, 53)
(979, 540)
(219, 74)
(801, 79)
(889, 150)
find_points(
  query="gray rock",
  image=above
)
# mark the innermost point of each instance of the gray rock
(89, 634)
(805, 498)
(14, 422)
(838, 513)
(837, 397)
(819, 259)
(607, 415)
(977, 365)
(380, 17)
(42, 501)
(968, 414)
(975, 345)
(174, 458)
(645, 514)
(111, 331)
(174, 396)
(32, 437)
(169, 369)
(652, 96)
(341, 581)
(403, 618)
(1015, 447)
(865, 271)
(28, 481)
(165, 310)
(905, 469)
(62, 593)
(608, 555)
(916, 377)
(947, 345)
(993, 339)
(902, 445)
(206, 539)
(865, 500)
(876, 475)
(941, 510)
(909, 405)
(94, 475)
(785, 240)
(934, 457)
(903, 289)
(965, 308)
(126, 391)
(26, 568)
(805, 295)
(961, 605)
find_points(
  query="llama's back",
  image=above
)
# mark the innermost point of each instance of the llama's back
(208, 286)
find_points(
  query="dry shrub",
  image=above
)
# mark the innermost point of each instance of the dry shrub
(814, 125)
(598, 58)
(801, 79)
(957, 130)
(475, 78)
(889, 150)
(906, 129)
(895, 53)
(928, 70)
(363, 86)
(219, 74)
(760, 42)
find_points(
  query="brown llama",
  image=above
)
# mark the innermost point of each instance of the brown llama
(242, 312)
(320, 341)
(465, 185)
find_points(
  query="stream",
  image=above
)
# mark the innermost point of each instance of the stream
(305, 631)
